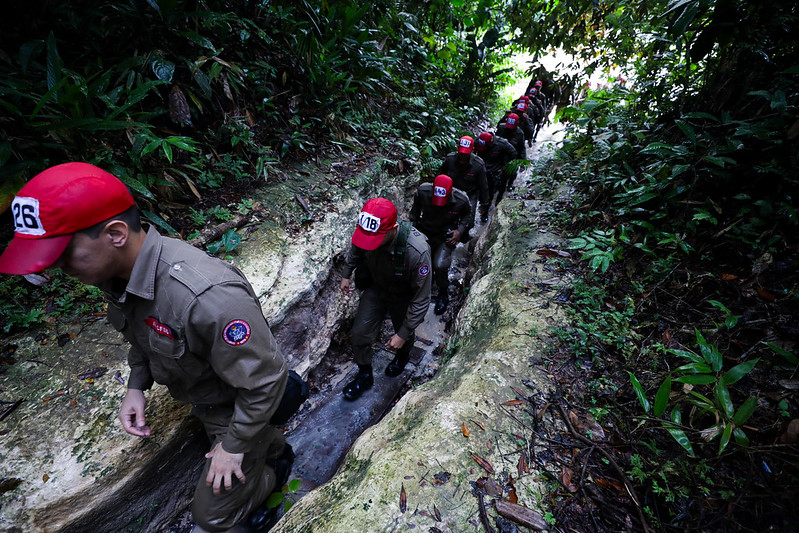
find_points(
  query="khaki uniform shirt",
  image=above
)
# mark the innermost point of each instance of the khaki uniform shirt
(195, 325)
(413, 285)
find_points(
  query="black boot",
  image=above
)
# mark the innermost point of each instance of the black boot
(262, 518)
(441, 303)
(397, 365)
(363, 381)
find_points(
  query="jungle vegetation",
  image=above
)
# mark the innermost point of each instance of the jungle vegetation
(687, 177)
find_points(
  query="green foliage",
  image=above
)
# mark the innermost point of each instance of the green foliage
(701, 373)
(286, 496)
(229, 242)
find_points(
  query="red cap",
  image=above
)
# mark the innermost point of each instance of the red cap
(376, 219)
(465, 145)
(522, 106)
(484, 140)
(538, 83)
(56, 203)
(442, 188)
(511, 121)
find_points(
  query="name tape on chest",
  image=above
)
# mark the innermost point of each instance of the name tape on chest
(25, 211)
(368, 222)
(158, 327)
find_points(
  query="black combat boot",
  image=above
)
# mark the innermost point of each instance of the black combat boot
(262, 518)
(363, 381)
(397, 365)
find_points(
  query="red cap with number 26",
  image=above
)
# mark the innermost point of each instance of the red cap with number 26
(377, 217)
(55, 204)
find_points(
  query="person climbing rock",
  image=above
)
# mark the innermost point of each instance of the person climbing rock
(193, 322)
(441, 212)
(393, 275)
(468, 173)
(497, 153)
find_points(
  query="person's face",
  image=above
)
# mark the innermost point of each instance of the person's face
(89, 260)
(388, 239)
(463, 159)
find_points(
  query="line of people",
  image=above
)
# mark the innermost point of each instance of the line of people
(392, 261)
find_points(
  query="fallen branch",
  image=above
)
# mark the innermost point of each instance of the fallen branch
(214, 233)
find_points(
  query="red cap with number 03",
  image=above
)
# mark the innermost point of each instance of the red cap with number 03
(377, 217)
(55, 204)
(442, 187)
(465, 145)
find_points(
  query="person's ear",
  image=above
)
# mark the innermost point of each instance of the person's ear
(117, 232)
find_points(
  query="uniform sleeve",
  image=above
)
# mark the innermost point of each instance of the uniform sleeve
(416, 208)
(421, 278)
(465, 214)
(354, 254)
(228, 324)
(140, 376)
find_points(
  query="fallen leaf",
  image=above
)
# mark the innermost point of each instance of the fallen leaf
(465, 430)
(487, 466)
(478, 424)
(522, 467)
(728, 277)
(403, 500)
(513, 402)
(437, 513)
(766, 295)
(519, 392)
(492, 488)
(609, 483)
(45, 478)
(566, 478)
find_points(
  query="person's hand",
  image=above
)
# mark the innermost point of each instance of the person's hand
(346, 286)
(395, 343)
(454, 238)
(223, 467)
(131, 413)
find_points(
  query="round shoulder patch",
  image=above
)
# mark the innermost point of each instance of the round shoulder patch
(236, 332)
(424, 270)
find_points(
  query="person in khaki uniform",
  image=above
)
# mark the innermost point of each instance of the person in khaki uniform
(397, 258)
(442, 213)
(193, 323)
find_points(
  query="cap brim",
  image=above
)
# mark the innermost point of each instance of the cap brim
(367, 241)
(26, 256)
(464, 150)
(439, 201)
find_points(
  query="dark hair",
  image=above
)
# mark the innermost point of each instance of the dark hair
(130, 216)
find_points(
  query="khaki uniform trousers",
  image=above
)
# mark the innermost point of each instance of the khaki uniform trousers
(372, 309)
(217, 513)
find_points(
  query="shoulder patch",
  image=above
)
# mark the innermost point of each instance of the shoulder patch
(424, 270)
(236, 332)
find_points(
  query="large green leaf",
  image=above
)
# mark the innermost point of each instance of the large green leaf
(662, 396)
(745, 411)
(723, 399)
(639, 392)
(738, 371)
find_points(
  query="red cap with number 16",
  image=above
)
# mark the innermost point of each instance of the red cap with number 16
(56, 203)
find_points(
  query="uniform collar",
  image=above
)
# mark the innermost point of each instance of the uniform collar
(142, 277)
